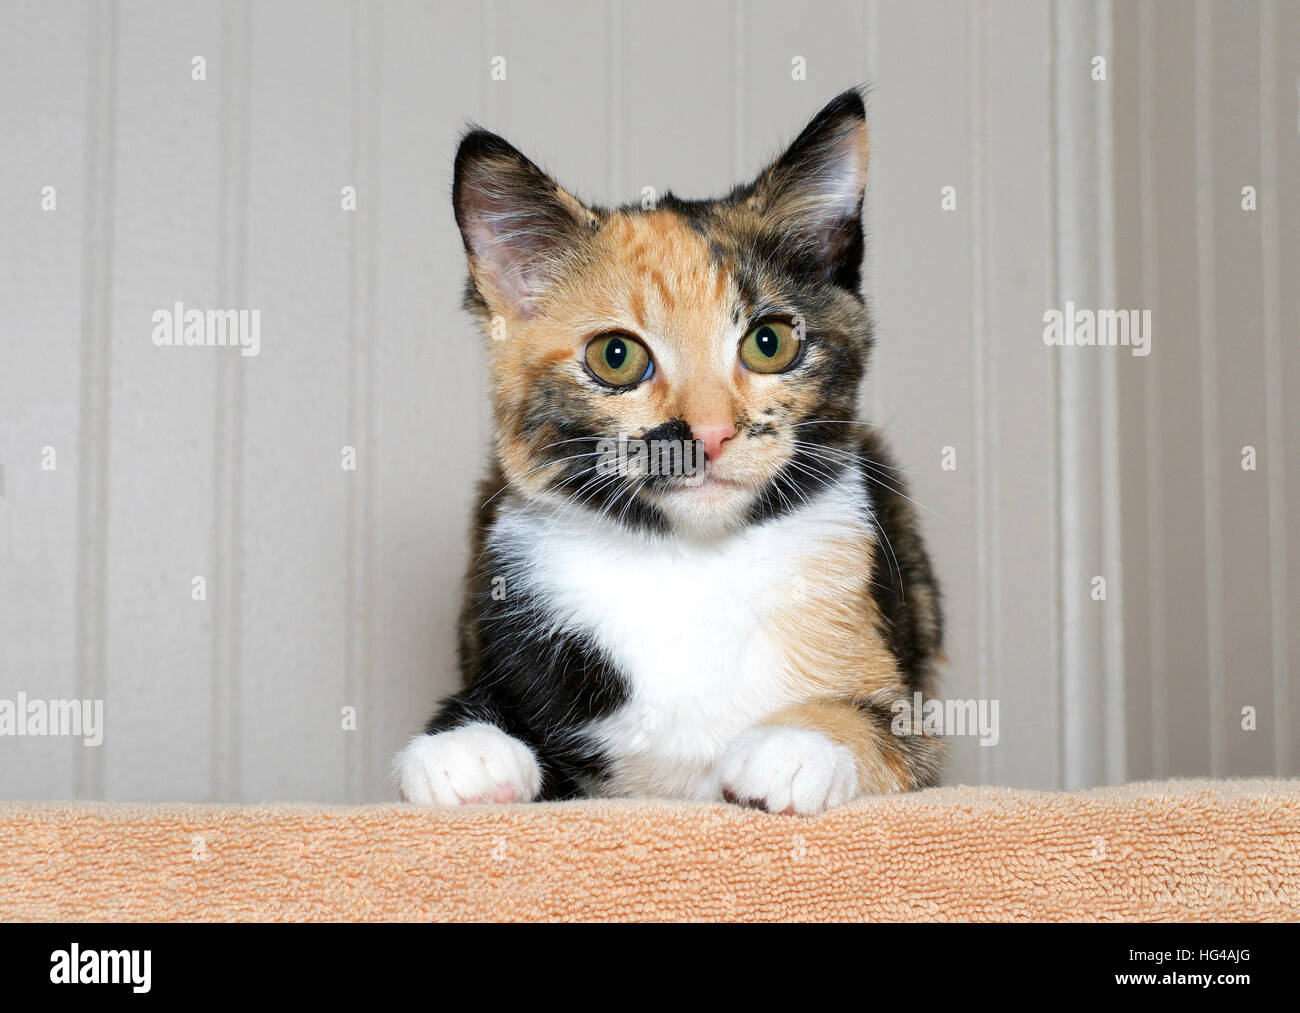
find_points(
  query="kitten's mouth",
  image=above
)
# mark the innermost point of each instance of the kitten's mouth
(706, 482)
(705, 504)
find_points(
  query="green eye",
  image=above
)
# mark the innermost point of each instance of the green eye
(769, 347)
(618, 360)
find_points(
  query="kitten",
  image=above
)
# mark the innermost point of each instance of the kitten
(737, 634)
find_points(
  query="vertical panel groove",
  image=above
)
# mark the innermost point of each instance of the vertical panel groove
(93, 411)
(1114, 737)
(360, 502)
(873, 245)
(374, 146)
(1156, 590)
(1269, 195)
(1208, 328)
(987, 617)
(739, 92)
(1076, 230)
(228, 457)
(616, 67)
(1054, 292)
(490, 88)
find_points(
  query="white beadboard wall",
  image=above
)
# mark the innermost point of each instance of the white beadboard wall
(329, 589)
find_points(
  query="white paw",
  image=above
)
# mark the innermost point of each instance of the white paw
(471, 764)
(787, 770)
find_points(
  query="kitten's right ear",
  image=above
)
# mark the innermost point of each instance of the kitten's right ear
(519, 226)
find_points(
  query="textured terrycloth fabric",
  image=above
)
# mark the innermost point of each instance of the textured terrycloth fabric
(1171, 850)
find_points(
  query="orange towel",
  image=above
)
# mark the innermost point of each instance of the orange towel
(1205, 850)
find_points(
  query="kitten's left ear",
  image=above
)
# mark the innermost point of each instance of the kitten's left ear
(813, 193)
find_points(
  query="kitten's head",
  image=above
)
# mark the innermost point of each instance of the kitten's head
(734, 322)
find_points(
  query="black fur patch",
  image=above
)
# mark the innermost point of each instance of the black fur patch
(533, 682)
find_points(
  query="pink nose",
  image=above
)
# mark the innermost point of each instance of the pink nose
(713, 435)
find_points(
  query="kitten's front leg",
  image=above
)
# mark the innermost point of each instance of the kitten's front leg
(465, 757)
(811, 757)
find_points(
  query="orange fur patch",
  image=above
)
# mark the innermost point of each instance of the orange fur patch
(829, 635)
(830, 643)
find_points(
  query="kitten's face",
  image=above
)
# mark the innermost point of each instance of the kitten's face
(735, 323)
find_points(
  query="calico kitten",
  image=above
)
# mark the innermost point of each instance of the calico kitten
(739, 634)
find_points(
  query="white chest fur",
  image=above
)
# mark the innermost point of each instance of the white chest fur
(685, 622)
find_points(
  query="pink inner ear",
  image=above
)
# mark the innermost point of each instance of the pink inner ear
(503, 262)
(841, 177)
(516, 222)
(818, 187)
